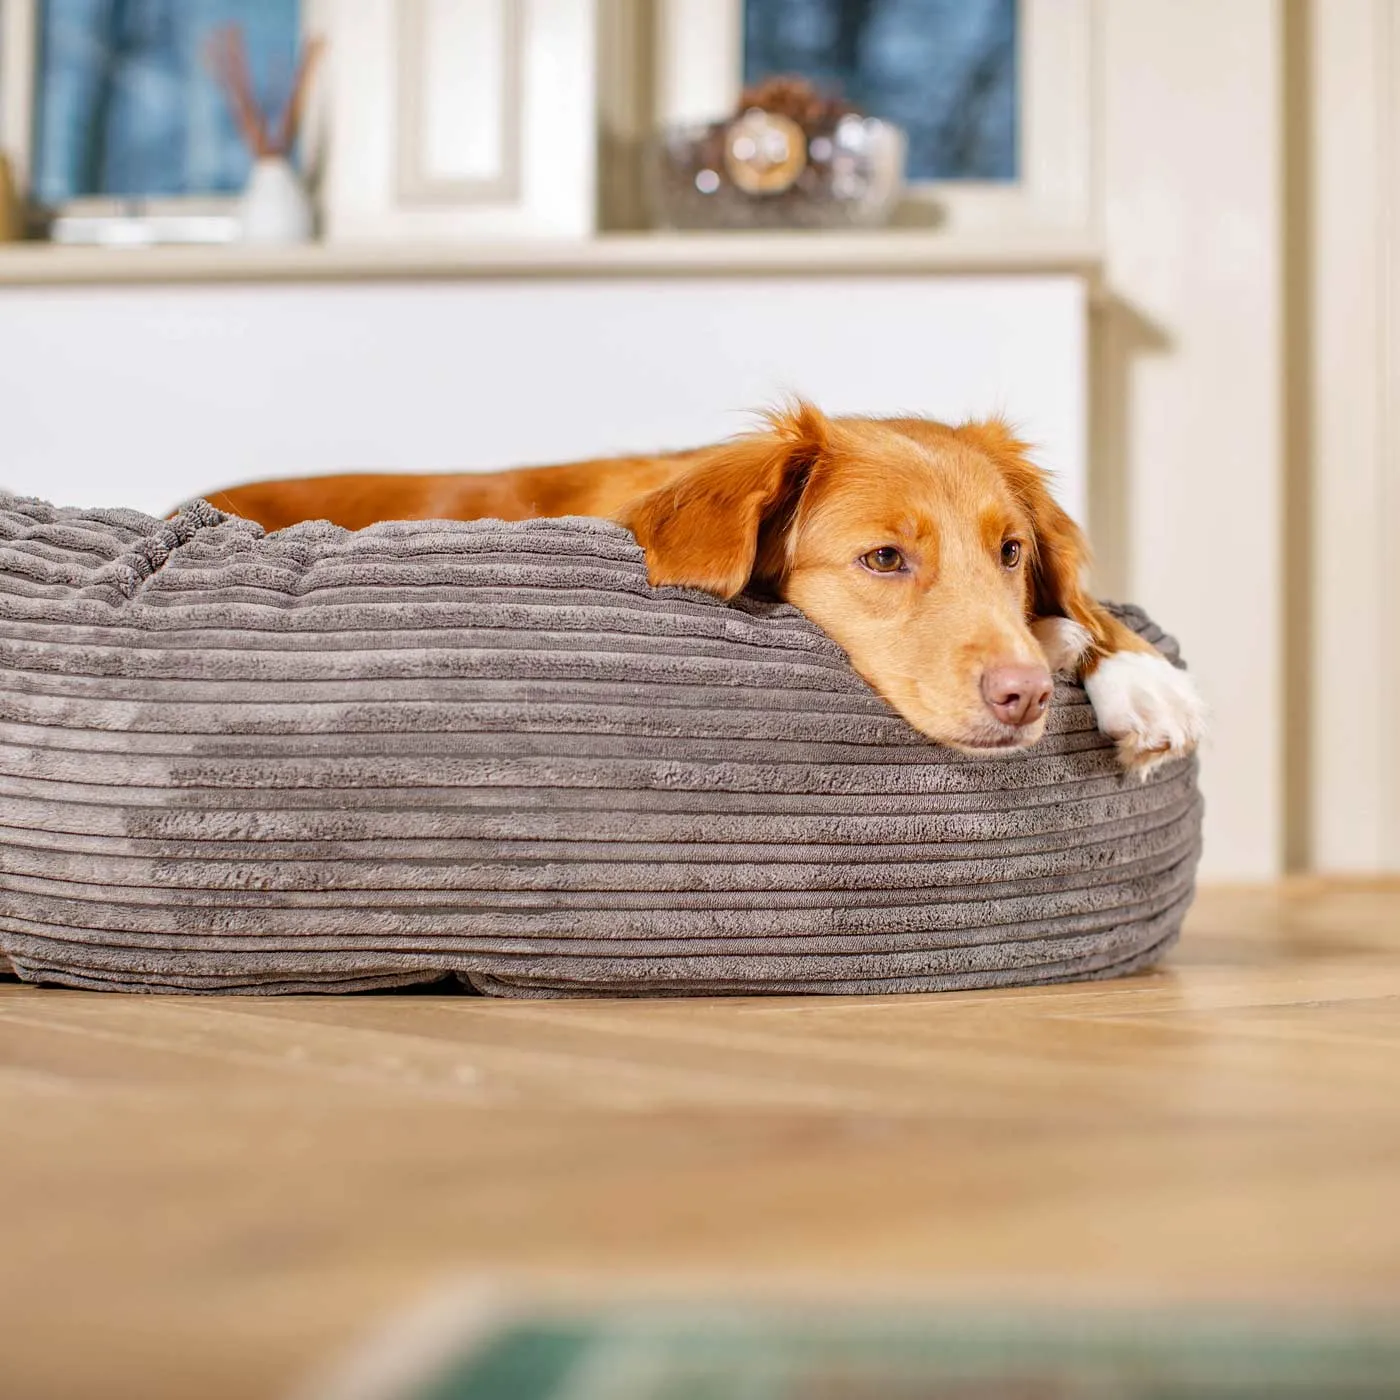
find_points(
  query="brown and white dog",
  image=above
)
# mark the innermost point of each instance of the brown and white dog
(934, 555)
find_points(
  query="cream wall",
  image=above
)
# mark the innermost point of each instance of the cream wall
(1246, 400)
(1346, 467)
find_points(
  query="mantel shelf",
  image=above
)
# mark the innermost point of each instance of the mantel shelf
(608, 256)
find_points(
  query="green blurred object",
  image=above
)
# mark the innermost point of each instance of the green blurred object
(757, 1354)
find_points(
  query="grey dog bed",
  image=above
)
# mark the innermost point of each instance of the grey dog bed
(328, 761)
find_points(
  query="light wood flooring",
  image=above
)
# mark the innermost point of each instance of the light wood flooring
(208, 1197)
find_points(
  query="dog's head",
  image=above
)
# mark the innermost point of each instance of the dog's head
(925, 551)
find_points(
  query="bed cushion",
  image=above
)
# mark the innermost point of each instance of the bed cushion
(327, 761)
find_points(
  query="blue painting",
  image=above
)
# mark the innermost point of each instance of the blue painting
(944, 70)
(126, 105)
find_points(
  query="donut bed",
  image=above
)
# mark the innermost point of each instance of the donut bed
(324, 761)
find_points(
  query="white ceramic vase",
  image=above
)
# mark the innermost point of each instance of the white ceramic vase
(275, 207)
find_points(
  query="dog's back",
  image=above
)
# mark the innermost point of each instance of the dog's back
(598, 488)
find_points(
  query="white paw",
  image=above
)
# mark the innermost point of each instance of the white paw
(1153, 711)
(1063, 642)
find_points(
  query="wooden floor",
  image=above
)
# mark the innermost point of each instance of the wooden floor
(206, 1197)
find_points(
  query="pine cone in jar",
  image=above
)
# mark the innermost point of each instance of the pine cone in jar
(798, 100)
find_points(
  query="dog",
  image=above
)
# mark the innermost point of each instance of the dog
(935, 555)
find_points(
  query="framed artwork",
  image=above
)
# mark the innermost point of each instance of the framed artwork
(995, 95)
(113, 114)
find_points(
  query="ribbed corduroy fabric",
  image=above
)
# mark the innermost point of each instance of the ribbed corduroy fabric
(327, 761)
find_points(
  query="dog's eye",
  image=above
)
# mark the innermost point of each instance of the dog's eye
(1011, 554)
(886, 560)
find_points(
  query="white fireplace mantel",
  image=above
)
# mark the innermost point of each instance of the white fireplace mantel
(608, 255)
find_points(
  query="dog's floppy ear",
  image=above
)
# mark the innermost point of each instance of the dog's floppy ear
(706, 529)
(1059, 552)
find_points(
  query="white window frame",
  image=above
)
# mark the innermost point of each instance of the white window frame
(699, 72)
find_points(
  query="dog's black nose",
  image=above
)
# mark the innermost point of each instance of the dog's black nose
(1017, 695)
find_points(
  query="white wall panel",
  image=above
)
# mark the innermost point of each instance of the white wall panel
(144, 396)
(461, 119)
(1353, 514)
(465, 59)
(1191, 155)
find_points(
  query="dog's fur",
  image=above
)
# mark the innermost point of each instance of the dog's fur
(989, 583)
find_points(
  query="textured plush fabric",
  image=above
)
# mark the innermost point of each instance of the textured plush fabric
(324, 761)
